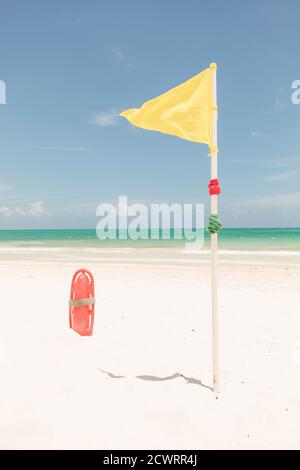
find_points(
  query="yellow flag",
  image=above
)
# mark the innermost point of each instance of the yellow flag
(185, 111)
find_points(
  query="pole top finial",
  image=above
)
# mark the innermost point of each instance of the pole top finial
(213, 66)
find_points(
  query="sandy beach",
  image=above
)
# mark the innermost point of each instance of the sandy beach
(143, 381)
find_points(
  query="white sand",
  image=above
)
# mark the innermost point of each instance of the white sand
(152, 320)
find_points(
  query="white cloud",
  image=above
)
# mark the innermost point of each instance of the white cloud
(5, 187)
(288, 201)
(5, 211)
(284, 176)
(105, 118)
(281, 210)
(82, 209)
(35, 209)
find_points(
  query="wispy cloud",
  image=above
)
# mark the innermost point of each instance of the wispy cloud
(269, 162)
(283, 162)
(275, 201)
(35, 209)
(279, 105)
(81, 209)
(70, 17)
(282, 210)
(284, 176)
(105, 118)
(255, 134)
(5, 187)
(118, 54)
(282, 98)
(279, 12)
(60, 149)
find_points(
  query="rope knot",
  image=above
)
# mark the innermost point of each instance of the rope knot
(214, 187)
(214, 225)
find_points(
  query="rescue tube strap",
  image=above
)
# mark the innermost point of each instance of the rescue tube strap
(82, 302)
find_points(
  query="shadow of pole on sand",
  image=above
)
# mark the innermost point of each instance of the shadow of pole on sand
(153, 378)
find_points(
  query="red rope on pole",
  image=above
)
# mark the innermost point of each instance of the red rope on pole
(214, 187)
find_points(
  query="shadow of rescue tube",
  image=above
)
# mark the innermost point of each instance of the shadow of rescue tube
(82, 303)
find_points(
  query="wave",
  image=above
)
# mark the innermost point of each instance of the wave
(238, 252)
(30, 248)
(150, 250)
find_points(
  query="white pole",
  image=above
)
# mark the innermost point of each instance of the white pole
(214, 245)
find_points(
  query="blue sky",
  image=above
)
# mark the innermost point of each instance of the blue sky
(70, 67)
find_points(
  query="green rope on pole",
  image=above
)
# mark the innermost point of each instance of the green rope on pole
(214, 225)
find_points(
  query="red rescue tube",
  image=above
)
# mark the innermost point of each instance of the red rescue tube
(82, 303)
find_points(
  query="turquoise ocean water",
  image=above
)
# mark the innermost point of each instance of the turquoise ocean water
(271, 239)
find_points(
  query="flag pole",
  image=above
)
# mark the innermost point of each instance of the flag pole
(214, 242)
